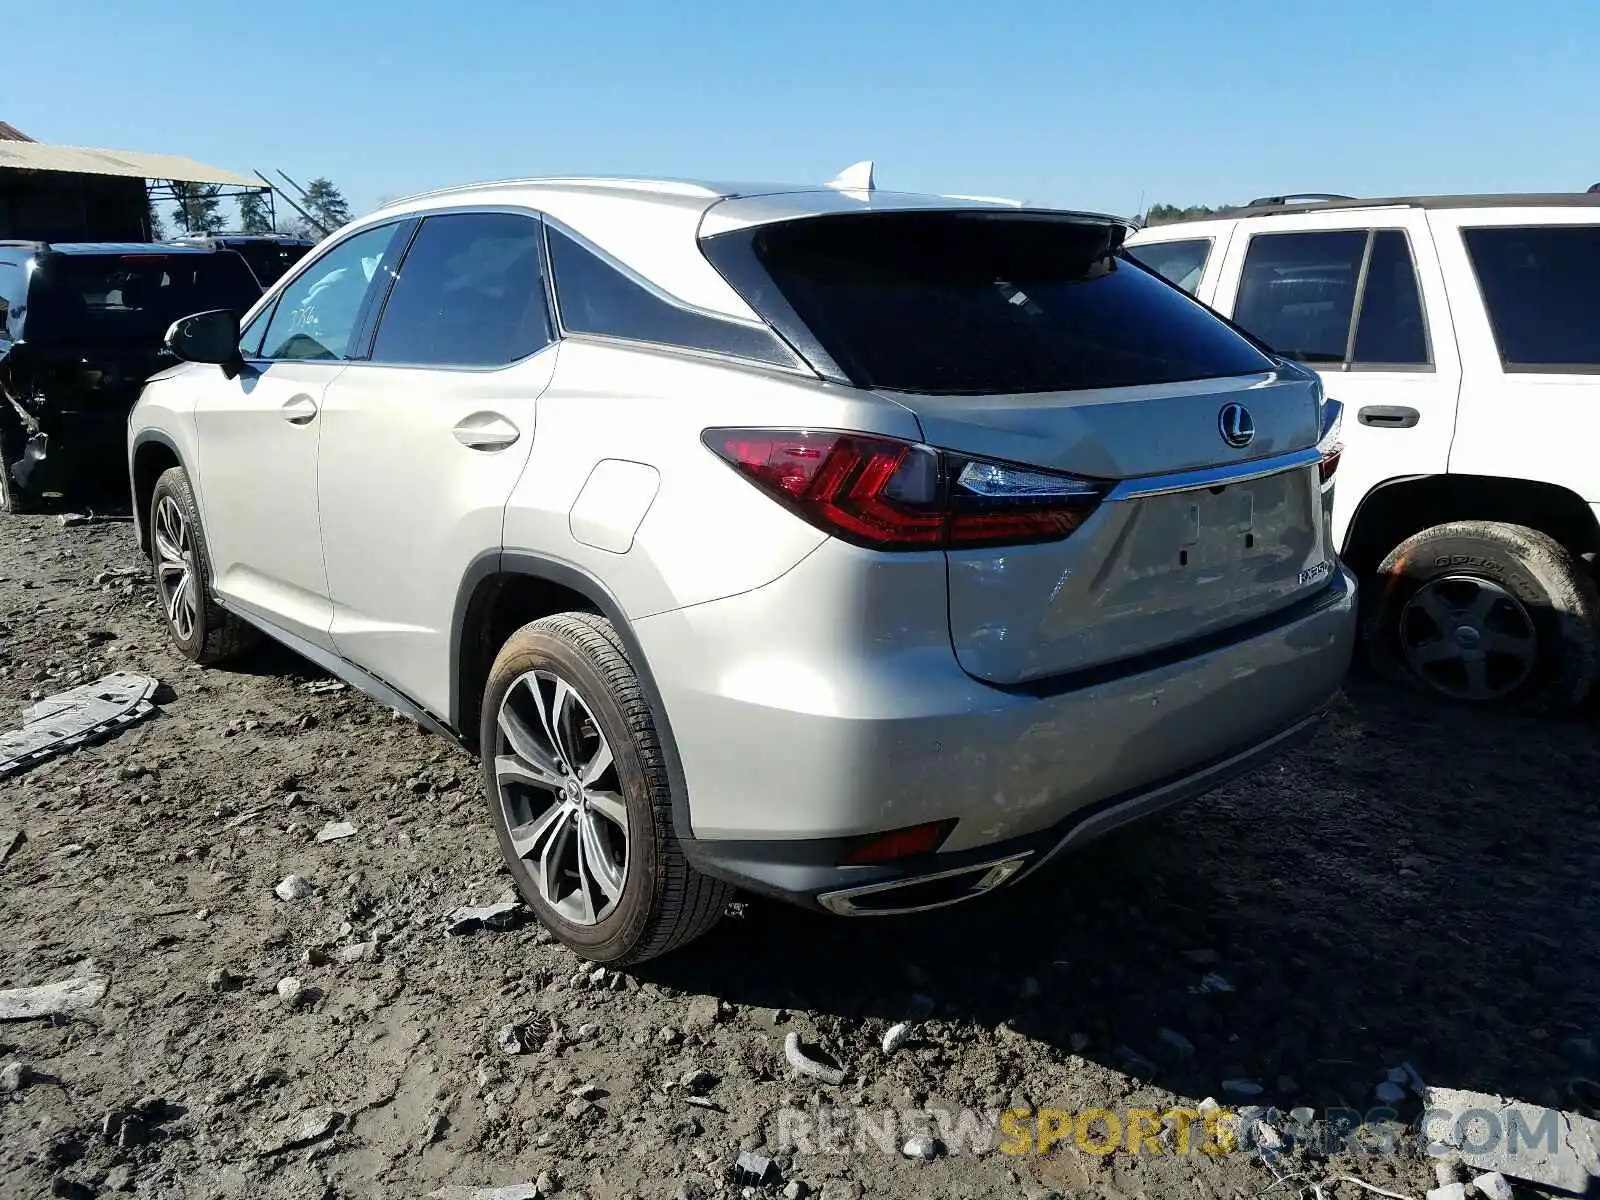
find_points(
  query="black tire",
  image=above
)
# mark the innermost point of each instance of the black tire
(1492, 580)
(216, 635)
(664, 902)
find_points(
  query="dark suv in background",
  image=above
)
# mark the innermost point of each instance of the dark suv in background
(269, 255)
(81, 329)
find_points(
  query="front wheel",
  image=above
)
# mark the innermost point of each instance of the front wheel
(580, 795)
(200, 628)
(1485, 613)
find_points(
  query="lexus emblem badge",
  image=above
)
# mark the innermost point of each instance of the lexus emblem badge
(1237, 426)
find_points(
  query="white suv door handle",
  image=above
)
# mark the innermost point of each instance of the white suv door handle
(299, 410)
(486, 431)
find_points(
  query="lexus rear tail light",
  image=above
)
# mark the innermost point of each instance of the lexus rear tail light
(892, 495)
(1329, 445)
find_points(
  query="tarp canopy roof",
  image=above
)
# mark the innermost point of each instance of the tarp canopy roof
(78, 160)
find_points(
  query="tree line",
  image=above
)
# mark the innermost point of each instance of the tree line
(1159, 214)
(200, 210)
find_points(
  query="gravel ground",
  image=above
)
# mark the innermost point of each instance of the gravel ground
(1419, 885)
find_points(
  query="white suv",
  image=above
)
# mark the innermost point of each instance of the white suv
(862, 549)
(1462, 334)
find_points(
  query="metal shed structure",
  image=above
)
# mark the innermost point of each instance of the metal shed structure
(75, 193)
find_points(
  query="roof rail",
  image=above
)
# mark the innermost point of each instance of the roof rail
(30, 243)
(1295, 198)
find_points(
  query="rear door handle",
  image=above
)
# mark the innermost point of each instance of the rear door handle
(299, 410)
(486, 431)
(1388, 416)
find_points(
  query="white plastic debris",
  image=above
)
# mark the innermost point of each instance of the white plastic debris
(896, 1036)
(76, 717)
(486, 916)
(335, 831)
(46, 1000)
(922, 1146)
(293, 887)
(516, 1191)
(798, 1059)
(1451, 1191)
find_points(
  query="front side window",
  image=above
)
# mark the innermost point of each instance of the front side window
(1344, 297)
(1541, 286)
(1180, 263)
(595, 297)
(470, 293)
(317, 315)
(961, 303)
(131, 299)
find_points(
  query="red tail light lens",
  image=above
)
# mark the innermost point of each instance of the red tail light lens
(901, 843)
(892, 495)
(1329, 443)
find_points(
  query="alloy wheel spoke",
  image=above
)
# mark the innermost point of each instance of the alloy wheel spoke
(529, 839)
(1430, 602)
(514, 769)
(597, 765)
(552, 716)
(596, 857)
(556, 845)
(524, 743)
(1483, 603)
(610, 806)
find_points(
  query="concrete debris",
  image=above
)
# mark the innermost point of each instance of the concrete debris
(1180, 1046)
(1451, 1191)
(1509, 1137)
(520, 1038)
(517, 1191)
(1211, 983)
(359, 952)
(1242, 1088)
(548, 1182)
(68, 720)
(1493, 1185)
(335, 831)
(293, 887)
(754, 1170)
(304, 1130)
(896, 1036)
(1389, 1092)
(1208, 1105)
(668, 1036)
(51, 999)
(224, 980)
(704, 1102)
(15, 1076)
(1266, 1136)
(589, 1091)
(805, 1065)
(470, 919)
(291, 992)
(10, 841)
(921, 1147)
(703, 1012)
(796, 1189)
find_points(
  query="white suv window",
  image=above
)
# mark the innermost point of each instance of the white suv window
(1346, 297)
(1181, 263)
(317, 314)
(470, 293)
(1541, 286)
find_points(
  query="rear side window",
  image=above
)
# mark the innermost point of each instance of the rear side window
(595, 297)
(1181, 263)
(954, 303)
(1541, 286)
(470, 293)
(1335, 298)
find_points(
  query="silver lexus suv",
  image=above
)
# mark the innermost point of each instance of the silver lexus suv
(861, 549)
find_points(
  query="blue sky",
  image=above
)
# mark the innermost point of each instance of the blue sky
(1080, 105)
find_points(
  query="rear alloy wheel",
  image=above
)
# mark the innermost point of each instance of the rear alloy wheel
(1485, 613)
(581, 799)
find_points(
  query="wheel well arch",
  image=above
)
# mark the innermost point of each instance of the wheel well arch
(1398, 508)
(153, 455)
(502, 591)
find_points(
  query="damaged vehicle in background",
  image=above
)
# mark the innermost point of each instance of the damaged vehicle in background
(268, 255)
(81, 328)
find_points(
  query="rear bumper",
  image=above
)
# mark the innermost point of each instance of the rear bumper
(802, 727)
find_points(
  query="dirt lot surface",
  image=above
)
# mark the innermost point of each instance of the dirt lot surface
(1418, 886)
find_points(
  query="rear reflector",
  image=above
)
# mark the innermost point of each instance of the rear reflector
(901, 843)
(892, 495)
(1329, 444)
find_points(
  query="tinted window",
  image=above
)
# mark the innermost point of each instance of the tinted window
(1390, 330)
(132, 298)
(595, 297)
(12, 281)
(1542, 289)
(317, 314)
(270, 261)
(1298, 292)
(971, 303)
(470, 293)
(1181, 263)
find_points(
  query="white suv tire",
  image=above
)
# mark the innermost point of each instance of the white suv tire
(581, 798)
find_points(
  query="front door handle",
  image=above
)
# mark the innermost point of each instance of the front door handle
(1388, 416)
(299, 410)
(486, 431)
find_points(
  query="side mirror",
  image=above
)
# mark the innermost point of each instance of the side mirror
(208, 337)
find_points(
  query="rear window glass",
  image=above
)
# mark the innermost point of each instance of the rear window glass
(1181, 263)
(1541, 286)
(269, 260)
(974, 304)
(134, 297)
